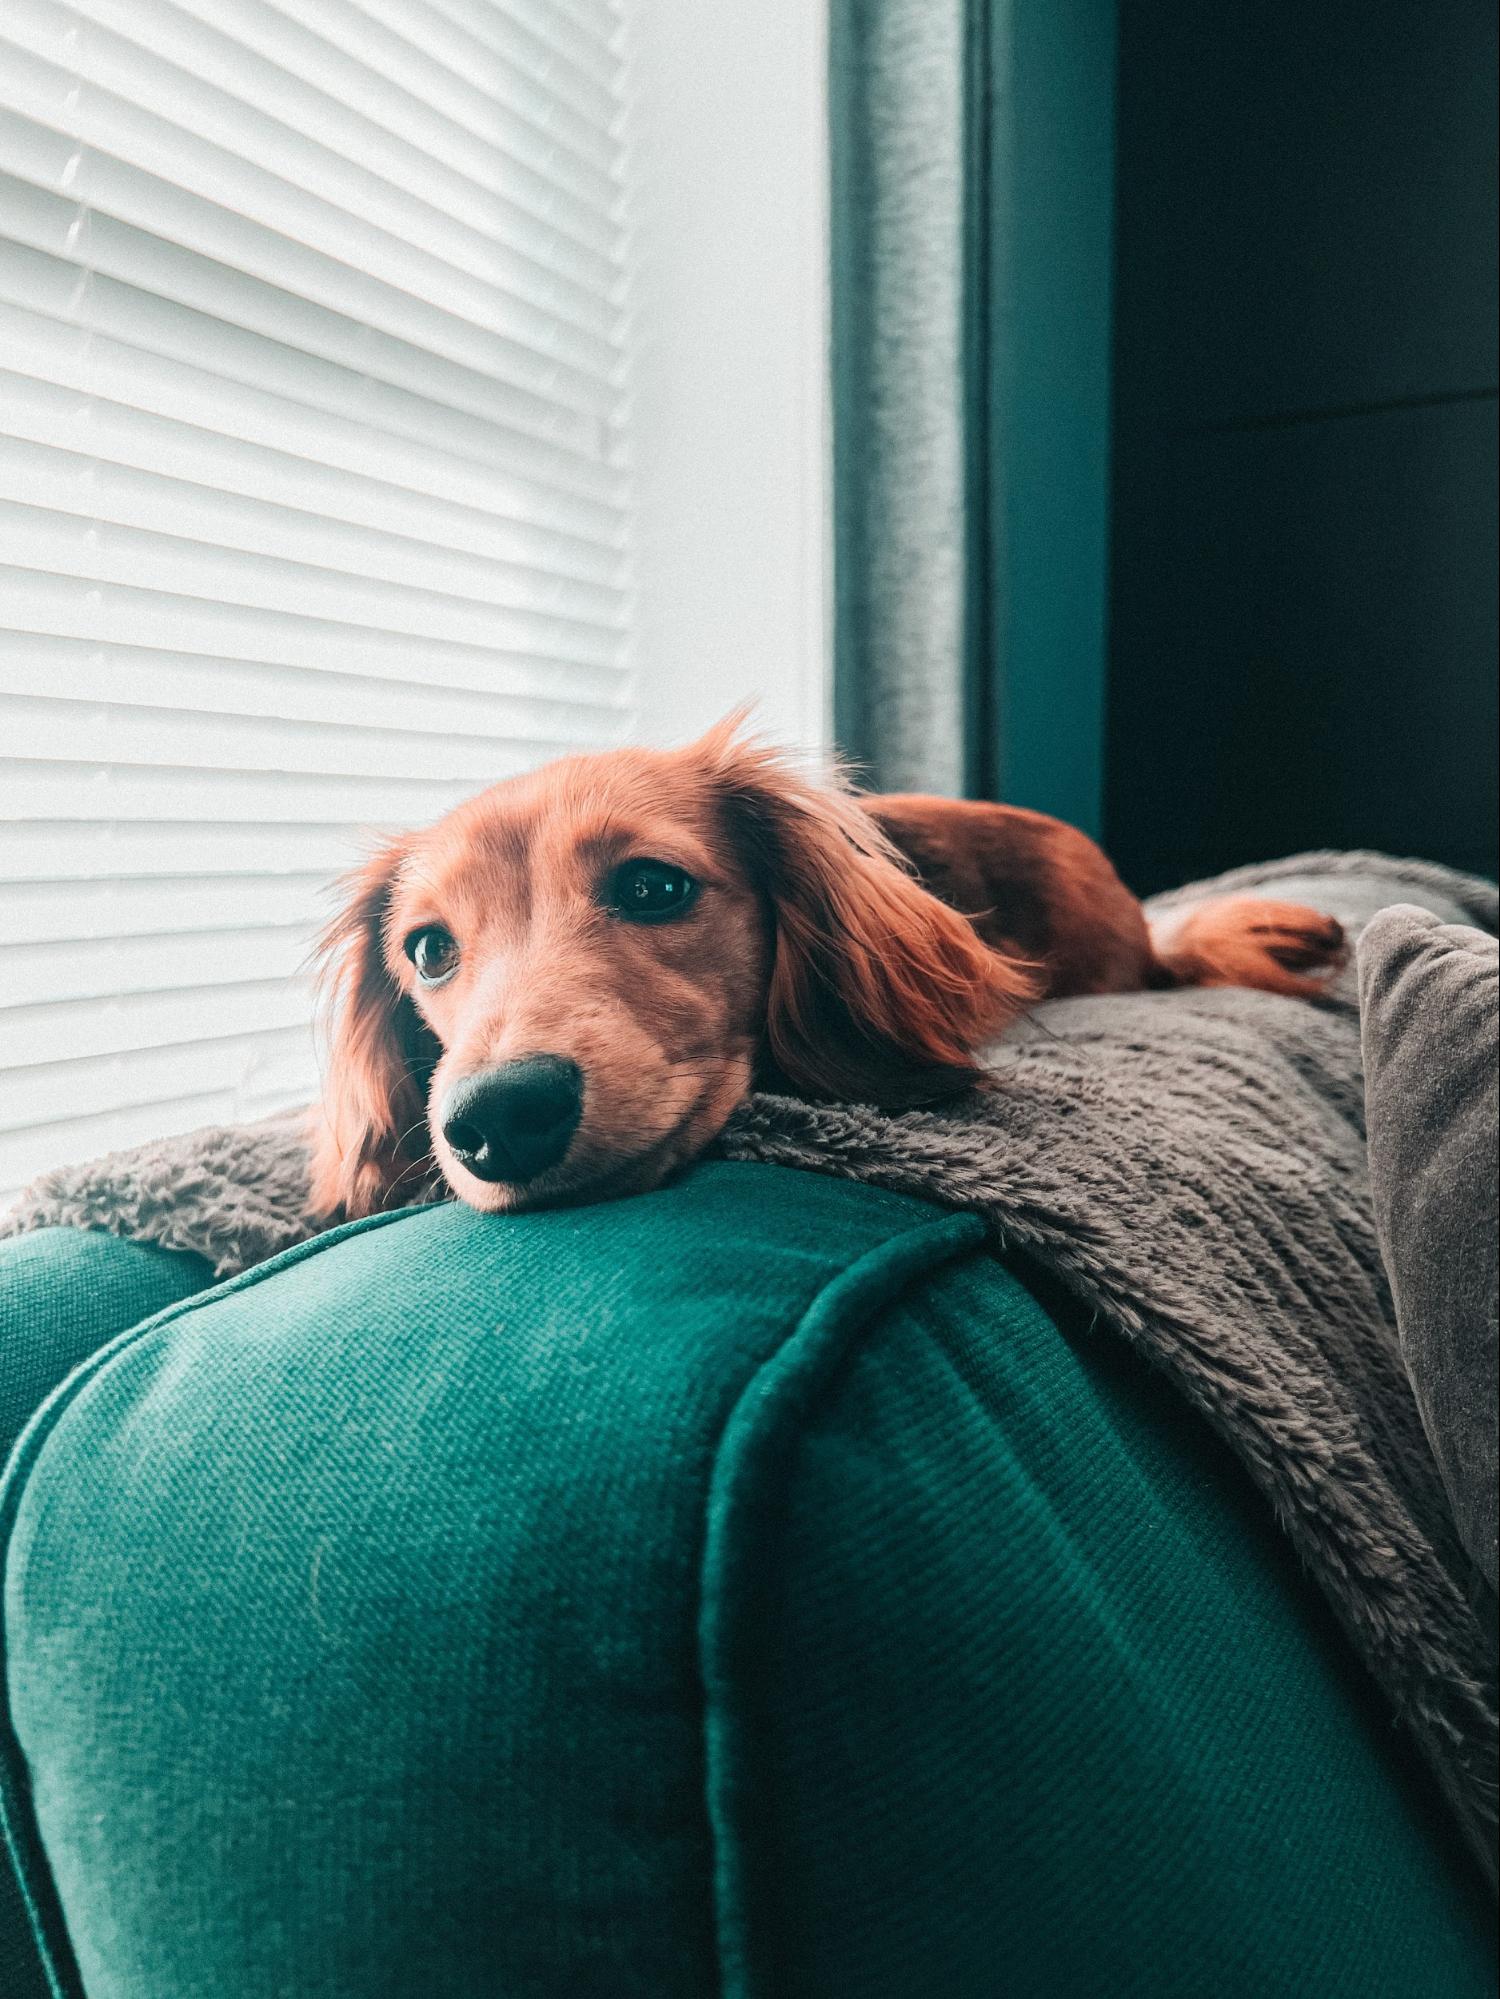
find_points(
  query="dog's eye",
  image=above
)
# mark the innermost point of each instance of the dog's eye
(434, 954)
(650, 891)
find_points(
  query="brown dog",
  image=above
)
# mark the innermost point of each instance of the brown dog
(562, 989)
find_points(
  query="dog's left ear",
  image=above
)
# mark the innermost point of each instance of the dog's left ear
(371, 1145)
(879, 993)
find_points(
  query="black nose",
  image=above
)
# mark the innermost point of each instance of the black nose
(515, 1122)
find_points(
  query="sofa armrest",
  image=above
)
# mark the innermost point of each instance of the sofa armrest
(749, 1588)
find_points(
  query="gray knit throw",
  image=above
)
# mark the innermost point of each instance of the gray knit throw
(1190, 1165)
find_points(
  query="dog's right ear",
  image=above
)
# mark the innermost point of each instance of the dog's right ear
(371, 1146)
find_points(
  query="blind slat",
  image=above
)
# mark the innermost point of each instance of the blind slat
(285, 132)
(590, 40)
(471, 42)
(49, 729)
(56, 408)
(281, 1058)
(400, 439)
(79, 483)
(590, 17)
(40, 602)
(415, 140)
(555, 57)
(544, 156)
(79, 546)
(34, 913)
(64, 1030)
(315, 501)
(576, 246)
(52, 667)
(116, 967)
(569, 150)
(295, 279)
(54, 851)
(222, 150)
(104, 791)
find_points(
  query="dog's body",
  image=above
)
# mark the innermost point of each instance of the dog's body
(563, 989)
(1042, 893)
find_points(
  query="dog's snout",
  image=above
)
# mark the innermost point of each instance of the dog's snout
(514, 1122)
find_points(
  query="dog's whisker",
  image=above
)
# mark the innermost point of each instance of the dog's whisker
(412, 1130)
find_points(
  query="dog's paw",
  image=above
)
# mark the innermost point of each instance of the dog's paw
(1303, 940)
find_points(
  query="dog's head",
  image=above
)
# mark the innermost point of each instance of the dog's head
(562, 990)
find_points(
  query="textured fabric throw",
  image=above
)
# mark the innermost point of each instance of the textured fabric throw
(1192, 1166)
(1429, 1013)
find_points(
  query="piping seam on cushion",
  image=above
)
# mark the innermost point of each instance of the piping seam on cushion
(751, 1445)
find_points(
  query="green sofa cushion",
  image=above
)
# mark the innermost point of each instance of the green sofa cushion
(64, 1293)
(749, 1588)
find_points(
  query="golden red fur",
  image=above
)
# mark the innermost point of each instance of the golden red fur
(834, 947)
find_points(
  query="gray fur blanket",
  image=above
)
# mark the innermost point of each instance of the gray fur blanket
(1192, 1166)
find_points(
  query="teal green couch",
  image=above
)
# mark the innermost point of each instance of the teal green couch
(752, 1590)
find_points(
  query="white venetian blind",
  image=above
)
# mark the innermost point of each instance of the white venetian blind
(313, 511)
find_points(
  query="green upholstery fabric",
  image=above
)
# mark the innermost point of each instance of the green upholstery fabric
(746, 1589)
(64, 1293)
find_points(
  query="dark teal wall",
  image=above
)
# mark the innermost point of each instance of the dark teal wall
(1049, 73)
(1303, 646)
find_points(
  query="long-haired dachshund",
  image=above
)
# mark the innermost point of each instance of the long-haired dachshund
(561, 990)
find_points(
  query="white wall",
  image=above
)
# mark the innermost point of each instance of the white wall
(730, 296)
